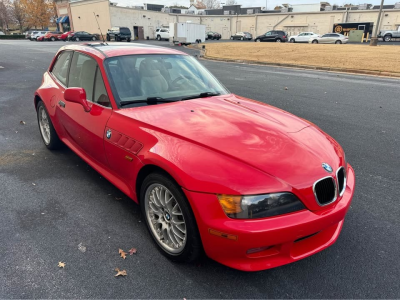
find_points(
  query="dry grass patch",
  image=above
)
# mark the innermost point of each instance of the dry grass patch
(359, 57)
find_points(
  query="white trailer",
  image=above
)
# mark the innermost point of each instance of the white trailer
(186, 33)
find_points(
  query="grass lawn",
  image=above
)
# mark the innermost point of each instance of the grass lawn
(356, 57)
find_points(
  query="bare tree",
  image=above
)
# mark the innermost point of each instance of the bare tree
(5, 16)
(18, 12)
(212, 4)
(231, 2)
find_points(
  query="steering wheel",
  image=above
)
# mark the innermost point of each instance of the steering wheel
(179, 78)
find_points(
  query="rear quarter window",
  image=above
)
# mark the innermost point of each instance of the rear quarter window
(61, 66)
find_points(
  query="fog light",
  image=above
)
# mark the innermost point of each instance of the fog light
(255, 250)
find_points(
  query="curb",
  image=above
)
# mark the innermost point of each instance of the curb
(306, 67)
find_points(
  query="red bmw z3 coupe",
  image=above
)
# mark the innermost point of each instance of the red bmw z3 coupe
(252, 186)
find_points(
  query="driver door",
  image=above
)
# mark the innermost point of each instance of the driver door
(85, 130)
(267, 37)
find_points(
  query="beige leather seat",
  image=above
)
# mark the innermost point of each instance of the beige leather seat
(87, 77)
(151, 80)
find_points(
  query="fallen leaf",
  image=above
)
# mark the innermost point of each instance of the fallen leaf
(119, 272)
(132, 251)
(81, 248)
(122, 253)
(33, 183)
(118, 198)
(22, 123)
(286, 88)
(61, 264)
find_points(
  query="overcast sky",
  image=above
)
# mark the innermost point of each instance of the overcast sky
(249, 3)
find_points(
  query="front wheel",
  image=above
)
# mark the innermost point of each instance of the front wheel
(257, 41)
(158, 38)
(338, 42)
(108, 38)
(242, 38)
(169, 218)
(128, 40)
(52, 39)
(292, 41)
(315, 42)
(387, 38)
(278, 40)
(77, 39)
(47, 131)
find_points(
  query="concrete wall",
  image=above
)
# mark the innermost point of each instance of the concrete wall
(314, 7)
(84, 19)
(293, 23)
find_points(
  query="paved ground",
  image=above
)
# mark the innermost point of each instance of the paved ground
(50, 202)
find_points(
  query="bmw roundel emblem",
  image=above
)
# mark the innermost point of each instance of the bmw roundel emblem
(327, 167)
(108, 133)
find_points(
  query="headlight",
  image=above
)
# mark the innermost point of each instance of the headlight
(259, 206)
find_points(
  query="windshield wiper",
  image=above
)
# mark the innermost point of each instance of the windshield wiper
(149, 100)
(201, 95)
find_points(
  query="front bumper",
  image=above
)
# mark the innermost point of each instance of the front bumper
(285, 238)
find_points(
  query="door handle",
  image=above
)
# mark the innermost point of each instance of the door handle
(61, 103)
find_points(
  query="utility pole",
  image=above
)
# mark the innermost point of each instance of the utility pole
(374, 38)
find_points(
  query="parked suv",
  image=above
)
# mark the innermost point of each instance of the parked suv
(277, 36)
(387, 35)
(52, 35)
(36, 34)
(119, 34)
(162, 34)
(212, 35)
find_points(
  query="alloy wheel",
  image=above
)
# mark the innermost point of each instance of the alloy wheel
(165, 218)
(44, 125)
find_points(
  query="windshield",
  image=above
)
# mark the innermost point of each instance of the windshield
(170, 77)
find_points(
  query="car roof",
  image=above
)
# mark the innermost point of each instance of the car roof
(104, 50)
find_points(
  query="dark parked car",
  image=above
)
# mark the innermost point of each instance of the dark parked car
(119, 34)
(82, 36)
(212, 35)
(273, 36)
(242, 36)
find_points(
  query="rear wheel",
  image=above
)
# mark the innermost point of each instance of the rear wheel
(52, 39)
(278, 40)
(338, 42)
(315, 42)
(93, 38)
(47, 131)
(257, 40)
(169, 218)
(231, 37)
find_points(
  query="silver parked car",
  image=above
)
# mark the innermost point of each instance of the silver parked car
(329, 38)
(303, 37)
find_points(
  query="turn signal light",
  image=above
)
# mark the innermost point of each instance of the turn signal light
(230, 204)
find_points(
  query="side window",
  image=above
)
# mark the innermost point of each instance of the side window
(82, 73)
(60, 69)
(100, 93)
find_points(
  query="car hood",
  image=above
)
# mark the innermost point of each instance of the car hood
(271, 140)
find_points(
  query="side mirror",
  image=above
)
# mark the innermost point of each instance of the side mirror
(77, 95)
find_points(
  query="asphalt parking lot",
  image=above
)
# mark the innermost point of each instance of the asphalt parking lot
(52, 202)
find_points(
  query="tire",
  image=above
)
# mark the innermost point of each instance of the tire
(77, 39)
(231, 37)
(128, 40)
(387, 38)
(190, 248)
(315, 42)
(278, 40)
(47, 131)
(292, 40)
(257, 40)
(52, 39)
(338, 42)
(242, 38)
(94, 38)
(158, 38)
(108, 38)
